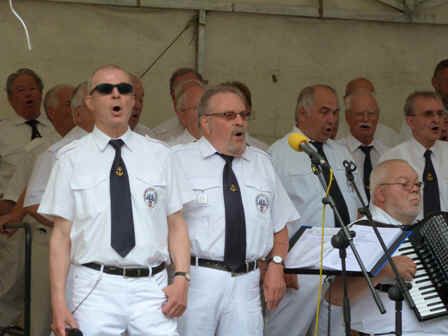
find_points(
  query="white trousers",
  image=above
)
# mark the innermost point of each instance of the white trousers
(296, 312)
(119, 304)
(222, 305)
(12, 277)
(40, 283)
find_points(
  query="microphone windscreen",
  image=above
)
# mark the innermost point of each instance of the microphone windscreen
(295, 140)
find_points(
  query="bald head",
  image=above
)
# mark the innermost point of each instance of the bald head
(396, 190)
(359, 83)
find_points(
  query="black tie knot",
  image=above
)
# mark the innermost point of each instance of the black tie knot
(32, 122)
(116, 144)
(319, 145)
(34, 131)
(227, 158)
(427, 154)
(366, 149)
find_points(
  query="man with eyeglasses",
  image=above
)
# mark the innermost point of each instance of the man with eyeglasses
(238, 217)
(424, 112)
(316, 114)
(362, 115)
(115, 198)
(396, 196)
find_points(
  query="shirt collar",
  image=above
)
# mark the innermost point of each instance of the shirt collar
(420, 148)
(102, 140)
(382, 216)
(207, 149)
(353, 143)
(330, 143)
(18, 120)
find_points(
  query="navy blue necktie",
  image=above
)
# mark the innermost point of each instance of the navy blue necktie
(367, 169)
(122, 228)
(431, 197)
(335, 192)
(235, 234)
(34, 131)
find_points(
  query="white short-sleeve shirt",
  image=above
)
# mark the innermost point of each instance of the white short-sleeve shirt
(79, 191)
(367, 318)
(304, 188)
(42, 167)
(352, 144)
(267, 207)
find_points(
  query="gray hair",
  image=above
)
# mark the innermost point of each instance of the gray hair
(380, 174)
(305, 99)
(23, 71)
(51, 99)
(204, 106)
(181, 72)
(410, 100)
(182, 89)
(78, 95)
(348, 98)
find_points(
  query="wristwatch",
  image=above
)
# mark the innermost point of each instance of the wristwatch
(184, 274)
(276, 260)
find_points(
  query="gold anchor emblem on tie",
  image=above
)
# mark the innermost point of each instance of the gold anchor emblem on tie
(429, 177)
(119, 171)
(233, 188)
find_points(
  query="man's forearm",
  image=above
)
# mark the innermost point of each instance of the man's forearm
(59, 264)
(179, 242)
(281, 243)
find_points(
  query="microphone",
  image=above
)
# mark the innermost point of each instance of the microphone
(300, 143)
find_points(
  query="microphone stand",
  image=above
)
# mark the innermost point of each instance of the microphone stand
(399, 291)
(342, 240)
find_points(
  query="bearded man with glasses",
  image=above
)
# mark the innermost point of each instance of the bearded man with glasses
(116, 198)
(238, 217)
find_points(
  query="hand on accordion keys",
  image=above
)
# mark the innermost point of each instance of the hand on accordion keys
(405, 266)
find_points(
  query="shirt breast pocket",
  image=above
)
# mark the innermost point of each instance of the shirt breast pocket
(208, 204)
(91, 194)
(149, 195)
(258, 201)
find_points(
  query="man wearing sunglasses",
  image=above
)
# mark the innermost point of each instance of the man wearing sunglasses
(238, 217)
(315, 115)
(115, 198)
(424, 112)
(396, 196)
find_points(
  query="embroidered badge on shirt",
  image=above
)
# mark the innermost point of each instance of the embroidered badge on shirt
(262, 202)
(150, 197)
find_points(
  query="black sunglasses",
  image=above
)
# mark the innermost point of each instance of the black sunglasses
(107, 88)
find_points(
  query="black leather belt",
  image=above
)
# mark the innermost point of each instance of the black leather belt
(364, 334)
(220, 265)
(126, 272)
